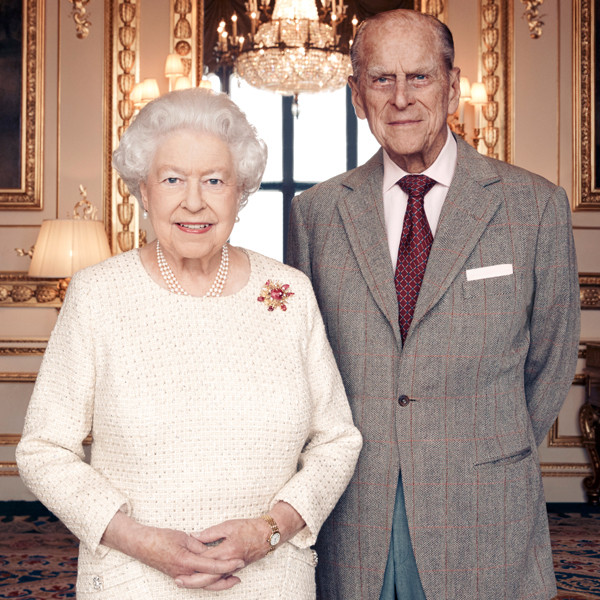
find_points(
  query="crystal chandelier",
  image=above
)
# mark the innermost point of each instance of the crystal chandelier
(290, 50)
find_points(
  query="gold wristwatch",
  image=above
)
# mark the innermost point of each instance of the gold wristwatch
(275, 536)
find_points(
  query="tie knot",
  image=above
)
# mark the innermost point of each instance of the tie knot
(416, 186)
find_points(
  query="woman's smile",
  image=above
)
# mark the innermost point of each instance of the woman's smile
(194, 228)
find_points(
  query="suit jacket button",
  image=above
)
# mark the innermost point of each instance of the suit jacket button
(403, 400)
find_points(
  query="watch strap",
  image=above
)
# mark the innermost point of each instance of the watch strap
(275, 536)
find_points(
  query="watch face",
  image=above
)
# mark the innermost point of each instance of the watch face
(274, 540)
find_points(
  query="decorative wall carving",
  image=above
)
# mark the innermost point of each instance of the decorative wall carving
(532, 14)
(121, 37)
(496, 63)
(589, 290)
(79, 14)
(18, 289)
(435, 8)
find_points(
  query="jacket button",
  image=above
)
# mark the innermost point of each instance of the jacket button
(403, 400)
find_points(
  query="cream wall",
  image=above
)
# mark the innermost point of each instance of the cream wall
(74, 146)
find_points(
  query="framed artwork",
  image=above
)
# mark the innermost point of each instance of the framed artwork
(21, 99)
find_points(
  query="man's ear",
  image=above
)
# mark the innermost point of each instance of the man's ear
(454, 90)
(357, 100)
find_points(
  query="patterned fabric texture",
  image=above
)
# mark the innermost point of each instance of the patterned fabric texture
(414, 248)
(201, 410)
(38, 557)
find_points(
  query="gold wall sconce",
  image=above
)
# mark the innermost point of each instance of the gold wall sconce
(475, 95)
(175, 73)
(479, 100)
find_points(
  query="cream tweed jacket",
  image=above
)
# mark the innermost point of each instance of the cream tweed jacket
(201, 410)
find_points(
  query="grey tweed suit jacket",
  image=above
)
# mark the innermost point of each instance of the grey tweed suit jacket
(486, 365)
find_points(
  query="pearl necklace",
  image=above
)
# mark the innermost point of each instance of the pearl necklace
(216, 289)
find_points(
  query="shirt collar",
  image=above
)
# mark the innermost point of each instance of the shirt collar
(442, 169)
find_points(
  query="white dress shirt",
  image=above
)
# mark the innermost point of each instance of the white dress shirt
(395, 200)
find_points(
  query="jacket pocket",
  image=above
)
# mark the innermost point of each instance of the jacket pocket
(123, 581)
(505, 460)
(299, 581)
(503, 285)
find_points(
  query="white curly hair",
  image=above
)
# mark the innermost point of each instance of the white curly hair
(194, 109)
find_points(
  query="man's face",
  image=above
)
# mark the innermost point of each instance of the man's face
(405, 91)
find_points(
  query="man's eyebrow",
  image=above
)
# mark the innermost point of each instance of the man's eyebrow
(377, 71)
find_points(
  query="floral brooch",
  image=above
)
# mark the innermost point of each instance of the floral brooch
(275, 295)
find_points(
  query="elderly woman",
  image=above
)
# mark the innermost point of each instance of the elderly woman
(222, 437)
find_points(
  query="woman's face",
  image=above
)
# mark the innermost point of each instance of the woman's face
(191, 194)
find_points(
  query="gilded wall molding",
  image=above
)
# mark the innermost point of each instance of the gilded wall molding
(566, 469)
(122, 46)
(23, 346)
(29, 195)
(586, 193)
(9, 439)
(589, 291)
(18, 377)
(8, 469)
(435, 8)
(19, 290)
(497, 42)
(184, 38)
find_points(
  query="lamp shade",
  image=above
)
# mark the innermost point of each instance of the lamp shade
(478, 93)
(183, 83)
(465, 88)
(174, 66)
(150, 90)
(64, 246)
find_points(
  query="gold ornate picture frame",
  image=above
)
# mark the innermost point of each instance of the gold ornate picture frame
(586, 125)
(22, 70)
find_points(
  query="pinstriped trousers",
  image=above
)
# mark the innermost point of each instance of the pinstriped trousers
(401, 580)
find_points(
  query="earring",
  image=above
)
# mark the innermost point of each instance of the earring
(237, 219)
(145, 214)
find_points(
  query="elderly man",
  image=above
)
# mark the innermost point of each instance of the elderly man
(448, 285)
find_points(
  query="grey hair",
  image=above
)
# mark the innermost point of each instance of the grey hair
(444, 35)
(194, 109)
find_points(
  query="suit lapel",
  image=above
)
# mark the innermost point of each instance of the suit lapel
(472, 201)
(361, 210)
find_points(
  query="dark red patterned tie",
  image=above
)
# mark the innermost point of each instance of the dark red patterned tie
(414, 248)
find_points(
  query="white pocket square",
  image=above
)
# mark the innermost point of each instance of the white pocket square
(487, 272)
